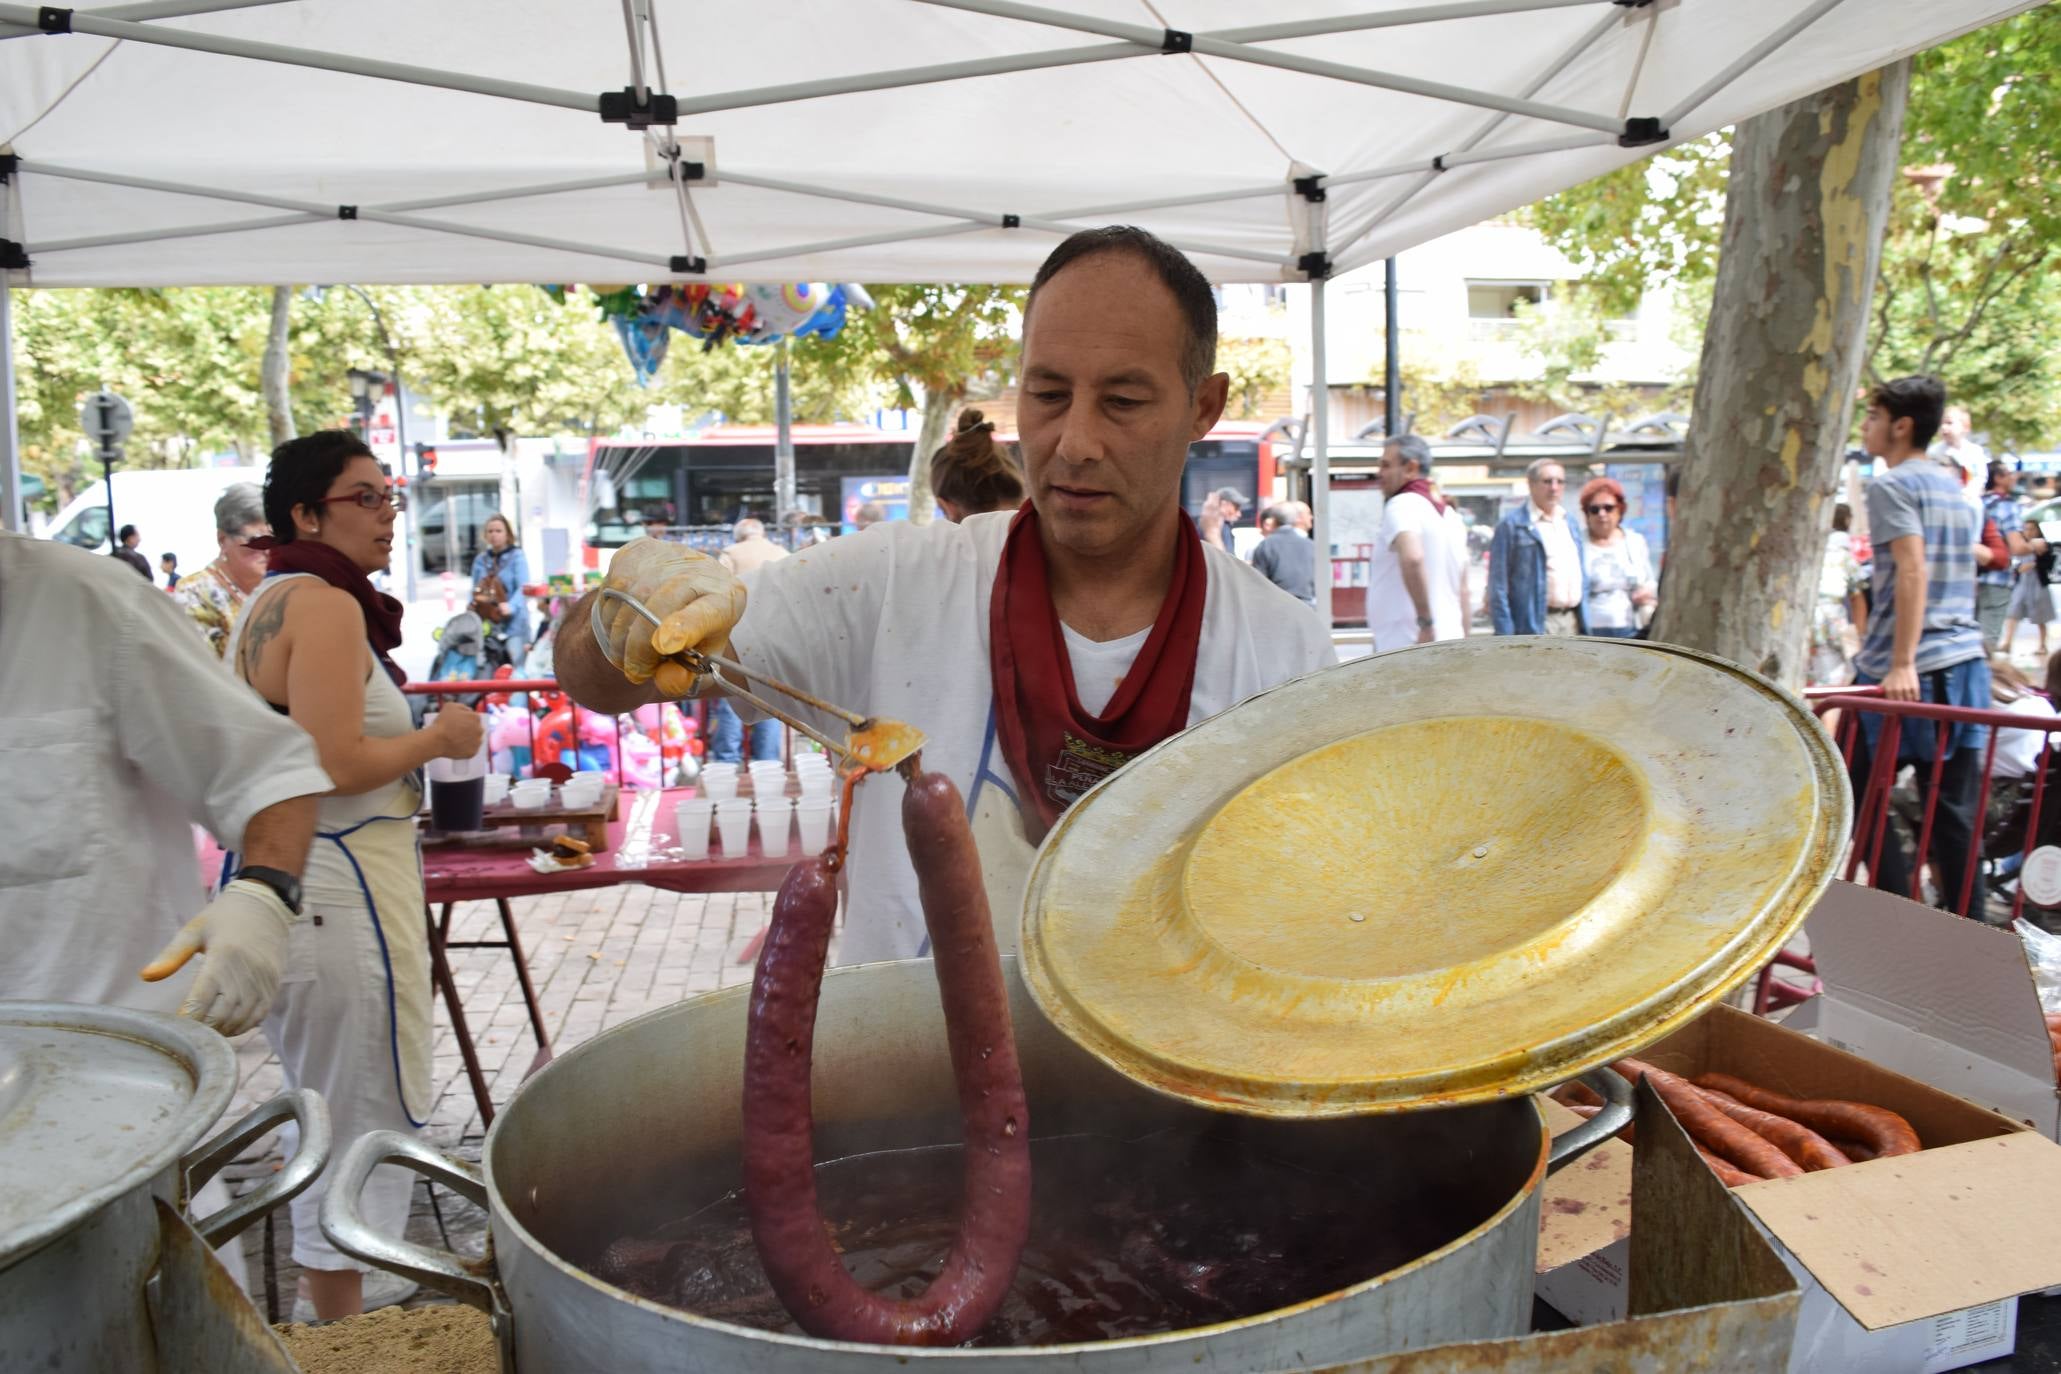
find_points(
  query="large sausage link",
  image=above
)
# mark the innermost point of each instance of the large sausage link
(1880, 1129)
(1708, 1126)
(1793, 1138)
(779, 1177)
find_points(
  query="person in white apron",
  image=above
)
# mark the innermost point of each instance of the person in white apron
(1039, 649)
(353, 1015)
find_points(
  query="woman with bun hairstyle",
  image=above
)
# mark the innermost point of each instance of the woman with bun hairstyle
(972, 474)
(352, 1019)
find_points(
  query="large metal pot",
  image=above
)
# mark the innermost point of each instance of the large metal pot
(100, 1268)
(642, 1123)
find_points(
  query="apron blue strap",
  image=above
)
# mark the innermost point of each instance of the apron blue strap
(393, 1018)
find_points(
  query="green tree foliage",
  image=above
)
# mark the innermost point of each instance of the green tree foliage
(1967, 288)
(1258, 368)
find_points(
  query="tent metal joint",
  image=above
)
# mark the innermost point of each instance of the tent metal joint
(682, 169)
(1310, 188)
(346, 212)
(1632, 4)
(1012, 221)
(1177, 41)
(10, 163)
(54, 19)
(1643, 131)
(1315, 266)
(1438, 164)
(625, 108)
(13, 256)
(681, 265)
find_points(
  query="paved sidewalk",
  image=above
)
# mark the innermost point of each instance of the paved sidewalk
(598, 958)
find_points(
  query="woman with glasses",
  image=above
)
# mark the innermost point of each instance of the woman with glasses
(352, 1019)
(214, 596)
(1618, 568)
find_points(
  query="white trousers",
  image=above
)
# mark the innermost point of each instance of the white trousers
(333, 1032)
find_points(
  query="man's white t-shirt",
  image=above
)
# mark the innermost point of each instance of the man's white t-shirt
(121, 731)
(894, 622)
(1391, 615)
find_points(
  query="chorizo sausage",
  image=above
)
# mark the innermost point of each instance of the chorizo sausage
(1709, 1127)
(1793, 1138)
(1727, 1174)
(779, 1178)
(1880, 1129)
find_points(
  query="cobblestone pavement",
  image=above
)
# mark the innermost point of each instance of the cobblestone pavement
(597, 958)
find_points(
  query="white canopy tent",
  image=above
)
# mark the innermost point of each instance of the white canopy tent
(184, 142)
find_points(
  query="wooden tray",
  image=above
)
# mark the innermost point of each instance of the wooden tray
(502, 825)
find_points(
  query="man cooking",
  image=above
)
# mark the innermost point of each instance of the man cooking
(1038, 649)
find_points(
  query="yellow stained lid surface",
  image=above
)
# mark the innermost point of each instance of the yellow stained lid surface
(1435, 876)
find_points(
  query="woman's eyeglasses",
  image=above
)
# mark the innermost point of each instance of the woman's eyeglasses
(370, 500)
(1598, 510)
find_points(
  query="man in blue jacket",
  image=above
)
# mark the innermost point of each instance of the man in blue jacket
(1536, 576)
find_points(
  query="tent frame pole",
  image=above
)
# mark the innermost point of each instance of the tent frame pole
(1749, 59)
(660, 261)
(1205, 46)
(587, 102)
(150, 9)
(1588, 39)
(1320, 455)
(14, 517)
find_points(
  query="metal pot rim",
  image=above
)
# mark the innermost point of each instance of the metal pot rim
(206, 1057)
(501, 1215)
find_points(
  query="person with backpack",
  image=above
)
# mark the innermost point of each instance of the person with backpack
(499, 573)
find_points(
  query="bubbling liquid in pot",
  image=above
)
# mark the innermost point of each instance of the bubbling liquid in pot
(1128, 1238)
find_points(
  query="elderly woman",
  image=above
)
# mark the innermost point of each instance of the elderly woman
(501, 563)
(1618, 567)
(214, 596)
(353, 1015)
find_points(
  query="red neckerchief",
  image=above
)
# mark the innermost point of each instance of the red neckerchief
(1422, 486)
(1056, 750)
(382, 612)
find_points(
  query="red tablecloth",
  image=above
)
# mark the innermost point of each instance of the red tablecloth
(453, 873)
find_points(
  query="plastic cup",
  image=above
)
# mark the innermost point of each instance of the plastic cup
(581, 792)
(496, 788)
(691, 819)
(819, 783)
(774, 825)
(733, 824)
(812, 821)
(719, 786)
(719, 769)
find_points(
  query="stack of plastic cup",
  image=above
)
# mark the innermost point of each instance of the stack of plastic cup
(812, 819)
(774, 825)
(768, 778)
(733, 824)
(497, 788)
(817, 781)
(719, 781)
(691, 818)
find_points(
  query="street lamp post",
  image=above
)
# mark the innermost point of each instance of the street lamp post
(368, 402)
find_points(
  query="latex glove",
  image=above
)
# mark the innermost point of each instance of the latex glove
(243, 934)
(698, 600)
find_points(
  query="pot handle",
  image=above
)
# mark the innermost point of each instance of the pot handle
(1615, 1116)
(348, 1231)
(309, 1113)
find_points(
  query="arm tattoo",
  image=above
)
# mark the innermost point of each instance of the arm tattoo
(261, 628)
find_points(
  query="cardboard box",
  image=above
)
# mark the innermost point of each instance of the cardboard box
(1725, 1303)
(1946, 1001)
(1908, 1264)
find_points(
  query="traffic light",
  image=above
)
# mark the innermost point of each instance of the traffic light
(425, 461)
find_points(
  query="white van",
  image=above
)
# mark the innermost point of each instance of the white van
(172, 509)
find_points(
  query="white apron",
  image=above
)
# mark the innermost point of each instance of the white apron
(366, 858)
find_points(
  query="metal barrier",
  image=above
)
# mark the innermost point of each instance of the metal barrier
(1872, 809)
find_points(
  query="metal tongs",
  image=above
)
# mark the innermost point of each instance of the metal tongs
(874, 744)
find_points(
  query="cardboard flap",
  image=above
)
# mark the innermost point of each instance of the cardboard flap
(1954, 979)
(1586, 1205)
(1897, 1240)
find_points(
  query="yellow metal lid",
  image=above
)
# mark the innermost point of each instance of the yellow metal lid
(1434, 876)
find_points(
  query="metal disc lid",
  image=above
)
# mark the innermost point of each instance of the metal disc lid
(93, 1102)
(1444, 874)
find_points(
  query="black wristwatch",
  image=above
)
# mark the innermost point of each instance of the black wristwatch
(279, 880)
